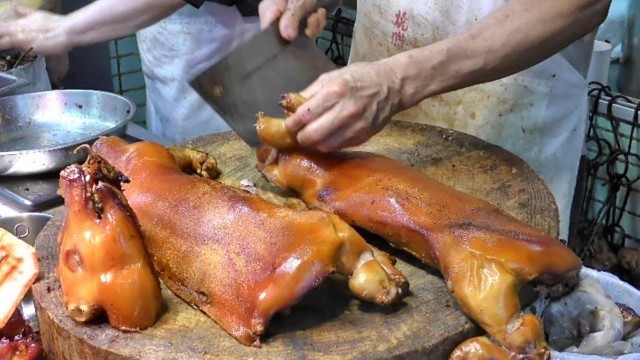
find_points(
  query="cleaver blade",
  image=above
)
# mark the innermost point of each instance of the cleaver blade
(252, 78)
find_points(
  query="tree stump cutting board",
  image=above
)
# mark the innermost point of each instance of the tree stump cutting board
(328, 323)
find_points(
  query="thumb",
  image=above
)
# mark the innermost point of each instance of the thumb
(269, 11)
(295, 12)
(289, 24)
(22, 11)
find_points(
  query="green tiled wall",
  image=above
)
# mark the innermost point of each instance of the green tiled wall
(127, 74)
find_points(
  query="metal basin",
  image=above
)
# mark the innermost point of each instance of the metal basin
(26, 227)
(39, 131)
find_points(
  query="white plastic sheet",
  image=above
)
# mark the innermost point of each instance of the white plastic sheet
(35, 73)
(620, 292)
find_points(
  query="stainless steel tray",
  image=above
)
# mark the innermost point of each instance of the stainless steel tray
(9, 82)
(39, 131)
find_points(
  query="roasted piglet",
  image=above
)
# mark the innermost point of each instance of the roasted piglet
(103, 265)
(484, 254)
(233, 255)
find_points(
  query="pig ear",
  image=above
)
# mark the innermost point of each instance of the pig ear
(113, 201)
(74, 190)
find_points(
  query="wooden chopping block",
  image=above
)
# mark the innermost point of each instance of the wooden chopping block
(328, 322)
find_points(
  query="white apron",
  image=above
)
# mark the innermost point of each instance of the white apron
(175, 50)
(539, 114)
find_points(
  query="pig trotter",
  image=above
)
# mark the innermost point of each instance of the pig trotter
(190, 160)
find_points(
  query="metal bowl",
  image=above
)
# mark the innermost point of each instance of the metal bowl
(39, 131)
(26, 227)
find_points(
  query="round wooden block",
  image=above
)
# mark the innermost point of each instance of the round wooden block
(328, 322)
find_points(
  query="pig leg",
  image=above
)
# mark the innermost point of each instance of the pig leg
(488, 293)
(202, 163)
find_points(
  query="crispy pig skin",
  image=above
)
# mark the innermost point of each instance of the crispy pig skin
(233, 255)
(103, 265)
(484, 254)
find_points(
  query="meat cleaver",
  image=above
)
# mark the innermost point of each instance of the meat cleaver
(253, 76)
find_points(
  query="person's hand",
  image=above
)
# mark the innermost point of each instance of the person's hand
(346, 107)
(37, 29)
(291, 12)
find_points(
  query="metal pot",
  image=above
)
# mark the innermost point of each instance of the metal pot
(39, 131)
(629, 76)
(26, 227)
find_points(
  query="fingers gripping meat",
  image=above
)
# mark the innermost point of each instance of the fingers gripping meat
(235, 256)
(484, 254)
(273, 132)
(291, 102)
(103, 265)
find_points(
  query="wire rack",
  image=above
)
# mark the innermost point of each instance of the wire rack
(610, 205)
(336, 38)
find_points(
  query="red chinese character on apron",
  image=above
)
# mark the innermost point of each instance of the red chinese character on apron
(401, 25)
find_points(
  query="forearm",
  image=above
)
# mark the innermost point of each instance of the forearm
(519, 35)
(105, 20)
